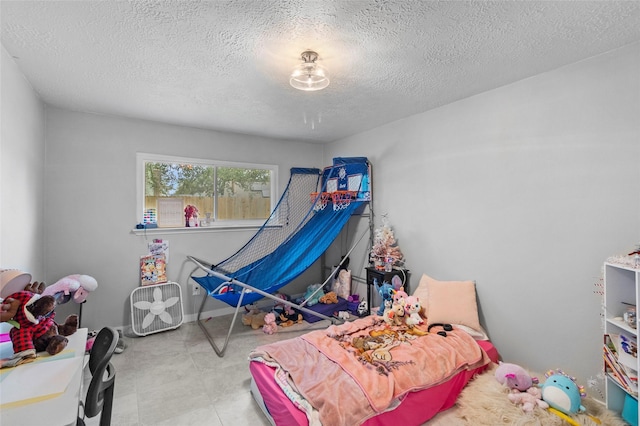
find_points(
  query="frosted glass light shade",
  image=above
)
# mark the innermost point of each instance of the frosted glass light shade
(309, 76)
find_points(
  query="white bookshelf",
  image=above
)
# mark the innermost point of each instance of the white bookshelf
(621, 290)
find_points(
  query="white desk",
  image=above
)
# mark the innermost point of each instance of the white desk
(52, 397)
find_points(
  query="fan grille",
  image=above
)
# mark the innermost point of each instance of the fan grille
(156, 308)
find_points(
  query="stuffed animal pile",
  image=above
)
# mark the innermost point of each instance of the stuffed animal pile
(254, 318)
(559, 393)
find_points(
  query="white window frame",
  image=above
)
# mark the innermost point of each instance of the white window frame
(142, 157)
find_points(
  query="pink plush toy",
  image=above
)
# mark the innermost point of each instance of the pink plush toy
(529, 400)
(399, 296)
(270, 325)
(514, 377)
(412, 311)
(74, 286)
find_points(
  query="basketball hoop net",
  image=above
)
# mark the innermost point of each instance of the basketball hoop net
(342, 199)
(320, 199)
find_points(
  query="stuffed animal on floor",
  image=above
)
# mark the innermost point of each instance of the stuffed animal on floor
(74, 286)
(254, 318)
(313, 294)
(529, 400)
(412, 308)
(514, 377)
(270, 325)
(342, 281)
(386, 294)
(329, 298)
(36, 329)
(289, 318)
(561, 392)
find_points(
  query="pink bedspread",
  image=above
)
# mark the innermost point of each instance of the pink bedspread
(382, 364)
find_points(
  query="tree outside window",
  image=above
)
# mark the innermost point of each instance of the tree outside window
(221, 192)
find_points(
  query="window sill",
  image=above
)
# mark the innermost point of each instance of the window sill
(195, 229)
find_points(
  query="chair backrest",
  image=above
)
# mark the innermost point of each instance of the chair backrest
(100, 393)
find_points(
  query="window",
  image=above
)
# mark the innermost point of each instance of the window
(218, 193)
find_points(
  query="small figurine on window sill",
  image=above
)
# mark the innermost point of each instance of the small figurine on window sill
(191, 216)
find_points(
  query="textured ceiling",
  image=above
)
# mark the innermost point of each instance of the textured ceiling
(225, 64)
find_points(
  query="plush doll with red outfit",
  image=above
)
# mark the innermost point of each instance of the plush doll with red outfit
(34, 328)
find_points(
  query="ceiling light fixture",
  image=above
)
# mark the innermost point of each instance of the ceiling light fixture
(309, 76)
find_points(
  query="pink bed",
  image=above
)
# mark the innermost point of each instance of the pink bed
(415, 408)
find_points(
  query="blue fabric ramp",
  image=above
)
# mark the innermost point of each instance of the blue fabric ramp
(288, 261)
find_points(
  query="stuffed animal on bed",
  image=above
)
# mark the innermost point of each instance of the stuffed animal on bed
(529, 400)
(412, 308)
(399, 295)
(36, 329)
(514, 377)
(386, 294)
(394, 315)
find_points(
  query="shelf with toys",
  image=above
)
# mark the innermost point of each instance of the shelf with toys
(620, 355)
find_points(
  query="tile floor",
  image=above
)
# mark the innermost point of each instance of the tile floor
(175, 378)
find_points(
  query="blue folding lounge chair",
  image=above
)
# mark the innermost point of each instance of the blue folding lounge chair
(297, 233)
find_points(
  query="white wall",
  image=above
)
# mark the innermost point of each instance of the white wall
(91, 203)
(22, 153)
(526, 189)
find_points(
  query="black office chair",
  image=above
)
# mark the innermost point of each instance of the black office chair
(103, 375)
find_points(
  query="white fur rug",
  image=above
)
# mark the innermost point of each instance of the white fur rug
(483, 402)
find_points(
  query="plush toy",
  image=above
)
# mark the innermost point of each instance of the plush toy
(344, 315)
(342, 282)
(254, 318)
(8, 309)
(35, 329)
(9, 306)
(288, 318)
(514, 377)
(74, 286)
(529, 399)
(363, 308)
(394, 315)
(562, 393)
(412, 308)
(313, 294)
(399, 295)
(270, 325)
(329, 298)
(386, 293)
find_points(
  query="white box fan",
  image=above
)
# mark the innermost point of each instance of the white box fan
(156, 308)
